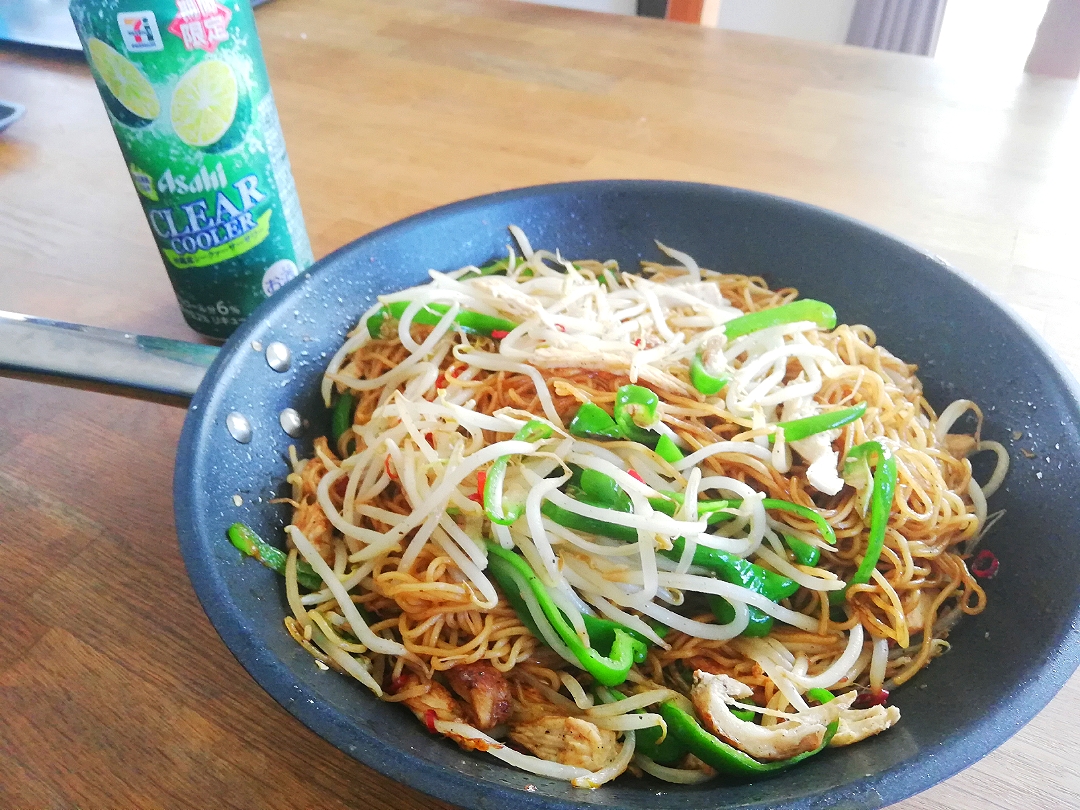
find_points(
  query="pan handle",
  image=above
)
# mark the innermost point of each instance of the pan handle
(151, 368)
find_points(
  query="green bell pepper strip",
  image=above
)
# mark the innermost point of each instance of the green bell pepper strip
(797, 429)
(881, 498)
(827, 533)
(805, 554)
(602, 490)
(341, 418)
(583, 523)
(713, 511)
(720, 756)
(805, 310)
(610, 669)
(593, 422)
(759, 625)
(493, 268)
(736, 570)
(473, 323)
(635, 400)
(706, 383)
(668, 450)
(247, 541)
(505, 514)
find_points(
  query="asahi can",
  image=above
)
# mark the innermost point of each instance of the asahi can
(186, 89)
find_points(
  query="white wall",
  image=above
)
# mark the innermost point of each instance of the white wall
(818, 20)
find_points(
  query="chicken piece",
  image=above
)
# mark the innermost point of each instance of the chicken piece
(530, 704)
(567, 740)
(437, 704)
(437, 699)
(485, 692)
(711, 695)
(816, 450)
(916, 616)
(858, 724)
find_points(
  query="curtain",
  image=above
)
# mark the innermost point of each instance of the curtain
(908, 26)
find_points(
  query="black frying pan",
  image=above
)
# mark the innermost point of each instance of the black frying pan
(1005, 665)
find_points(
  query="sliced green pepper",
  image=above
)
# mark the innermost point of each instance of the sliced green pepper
(708, 384)
(611, 669)
(599, 489)
(881, 499)
(582, 523)
(634, 403)
(797, 429)
(593, 422)
(714, 511)
(668, 450)
(737, 570)
(720, 756)
(498, 512)
(805, 310)
(760, 622)
(246, 540)
(341, 418)
(473, 323)
(805, 554)
(494, 268)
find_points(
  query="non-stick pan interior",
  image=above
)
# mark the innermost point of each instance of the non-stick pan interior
(1005, 664)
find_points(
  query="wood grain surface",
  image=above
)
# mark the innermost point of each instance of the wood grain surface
(115, 691)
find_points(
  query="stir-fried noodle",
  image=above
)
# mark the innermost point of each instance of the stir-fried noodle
(472, 457)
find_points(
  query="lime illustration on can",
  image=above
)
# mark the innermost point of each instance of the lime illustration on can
(188, 97)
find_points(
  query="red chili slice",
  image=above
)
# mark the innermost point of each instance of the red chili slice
(429, 720)
(390, 469)
(635, 475)
(481, 482)
(985, 565)
(499, 334)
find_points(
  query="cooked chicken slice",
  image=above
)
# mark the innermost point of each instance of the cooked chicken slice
(437, 699)
(858, 724)
(816, 450)
(711, 695)
(916, 616)
(567, 740)
(485, 692)
(437, 704)
(530, 704)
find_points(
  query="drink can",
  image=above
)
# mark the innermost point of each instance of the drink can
(187, 93)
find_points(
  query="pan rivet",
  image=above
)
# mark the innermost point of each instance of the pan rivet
(238, 426)
(278, 356)
(291, 422)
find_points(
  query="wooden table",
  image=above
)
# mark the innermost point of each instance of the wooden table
(115, 691)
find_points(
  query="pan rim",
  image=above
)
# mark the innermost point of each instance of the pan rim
(905, 779)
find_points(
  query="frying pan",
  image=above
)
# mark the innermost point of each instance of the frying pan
(1005, 664)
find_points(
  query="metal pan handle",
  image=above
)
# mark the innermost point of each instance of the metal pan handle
(88, 357)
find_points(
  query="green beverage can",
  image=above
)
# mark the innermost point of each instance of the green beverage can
(187, 93)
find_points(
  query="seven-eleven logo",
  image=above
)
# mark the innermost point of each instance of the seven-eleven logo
(201, 24)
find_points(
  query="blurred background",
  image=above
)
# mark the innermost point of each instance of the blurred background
(993, 38)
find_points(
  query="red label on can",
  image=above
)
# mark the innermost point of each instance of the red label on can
(201, 24)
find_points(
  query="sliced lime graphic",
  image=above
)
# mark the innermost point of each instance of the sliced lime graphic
(124, 81)
(204, 103)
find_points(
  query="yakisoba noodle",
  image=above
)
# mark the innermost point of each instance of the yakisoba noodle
(536, 525)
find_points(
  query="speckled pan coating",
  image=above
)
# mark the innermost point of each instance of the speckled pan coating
(1005, 664)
